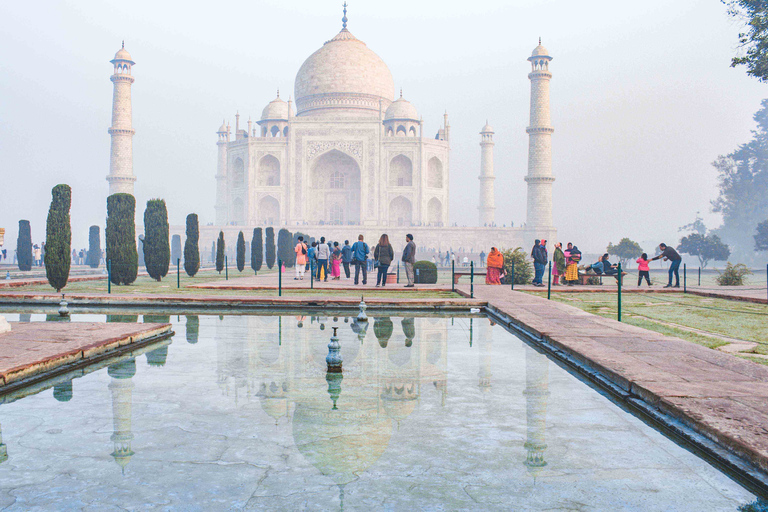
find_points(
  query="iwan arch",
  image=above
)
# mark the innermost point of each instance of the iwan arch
(350, 157)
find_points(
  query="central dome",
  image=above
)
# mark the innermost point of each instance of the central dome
(344, 77)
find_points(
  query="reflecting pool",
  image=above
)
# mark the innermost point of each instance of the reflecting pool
(430, 413)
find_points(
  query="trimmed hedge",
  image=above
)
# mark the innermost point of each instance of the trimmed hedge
(240, 252)
(257, 251)
(425, 272)
(157, 252)
(94, 247)
(270, 247)
(191, 249)
(284, 249)
(120, 236)
(220, 248)
(24, 246)
(58, 238)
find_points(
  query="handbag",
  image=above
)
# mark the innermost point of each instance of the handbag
(376, 264)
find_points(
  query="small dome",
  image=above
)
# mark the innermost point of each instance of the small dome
(222, 128)
(276, 109)
(401, 109)
(540, 51)
(487, 128)
(122, 54)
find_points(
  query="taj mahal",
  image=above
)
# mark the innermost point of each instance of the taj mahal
(351, 156)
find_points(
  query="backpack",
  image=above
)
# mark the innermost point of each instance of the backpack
(303, 249)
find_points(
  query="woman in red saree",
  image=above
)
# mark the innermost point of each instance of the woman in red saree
(495, 264)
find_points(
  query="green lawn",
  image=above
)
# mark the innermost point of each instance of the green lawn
(666, 314)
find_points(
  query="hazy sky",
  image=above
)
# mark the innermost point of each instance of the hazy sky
(643, 99)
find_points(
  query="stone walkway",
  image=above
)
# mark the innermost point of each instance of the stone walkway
(30, 349)
(723, 397)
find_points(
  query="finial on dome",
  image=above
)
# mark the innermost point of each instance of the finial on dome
(123, 44)
(344, 19)
(401, 92)
(539, 40)
(278, 92)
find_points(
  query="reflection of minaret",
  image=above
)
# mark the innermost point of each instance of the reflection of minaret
(3, 448)
(485, 341)
(121, 388)
(536, 393)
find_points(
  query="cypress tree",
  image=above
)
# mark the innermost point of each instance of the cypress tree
(157, 253)
(175, 249)
(220, 248)
(213, 252)
(270, 243)
(240, 252)
(121, 238)
(94, 247)
(191, 249)
(58, 238)
(284, 249)
(24, 246)
(141, 251)
(257, 251)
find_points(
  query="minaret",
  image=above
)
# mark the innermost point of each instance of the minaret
(540, 143)
(122, 398)
(221, 176)
(487, 202)
(121, 176)
(536, 394)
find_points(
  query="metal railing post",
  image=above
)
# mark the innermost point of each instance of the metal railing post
(512, 274)
(685, 278)
(471, 279)
(620, 283)
(178, 272)
(453, 276)
(109, 276)
(549, 282)
(312, 275)
(226, 269)
(699, 276)
(279, 278)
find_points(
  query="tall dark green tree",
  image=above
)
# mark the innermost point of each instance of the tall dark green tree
(753, 41)
(240, 252)
(284, 249)
(625, 250)
(94, 247)
(761, 236)
(58, 238)
(220, 252)
(257, 250)
(175, 249)
(270, 246)
(743, 187)
(191, 247)
(120, 236)
(24, 246)
(157, 251)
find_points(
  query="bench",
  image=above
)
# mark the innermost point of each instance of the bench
(583, 278)
(457, 275)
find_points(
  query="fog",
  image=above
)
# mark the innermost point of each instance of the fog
(643, 99)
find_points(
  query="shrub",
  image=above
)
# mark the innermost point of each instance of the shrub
(425, 272)
(157, 253)
(257, 250)
(523, 267)
(58, 238)
(240, 252)
(270, 247)
(175, 249)
(220, 248)
(284, 249)
(24, 246)
(120, 236)
(733, 275)
(94, 247)
(191, 248)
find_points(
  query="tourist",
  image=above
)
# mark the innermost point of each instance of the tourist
(346, 257)
(482, 258)
(301, 259)
(495, 267)
(74, 256)
(644, 271)
(409, 258)
(37, 253)
(558, 268)
(336, 262)
(670, 254)
(466, 261)
(447, 258)
(323, 255)
(603, 266)
(359, 256)
(383, 254)
(572, 264)
(312, 257)
(539, 256)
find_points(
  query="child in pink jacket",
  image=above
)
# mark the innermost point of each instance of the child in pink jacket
(643, 270)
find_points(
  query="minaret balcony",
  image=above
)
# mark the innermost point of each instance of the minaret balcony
(539, 179)
(539, 74)
(121, 131)
(122, 78)
(539, 129)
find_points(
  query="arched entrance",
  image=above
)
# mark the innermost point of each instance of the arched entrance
(269, 211)
(334, 189)
(435, 212)
(400, 212)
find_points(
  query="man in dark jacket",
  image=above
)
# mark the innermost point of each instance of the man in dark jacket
(539, 255)
(670, 254)
(346, 257)
(409, 258)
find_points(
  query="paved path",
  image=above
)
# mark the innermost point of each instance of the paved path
(720, 396)
(31, 349)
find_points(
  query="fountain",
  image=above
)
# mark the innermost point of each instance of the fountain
(334, 359)
(361, 316)
(63, 311)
